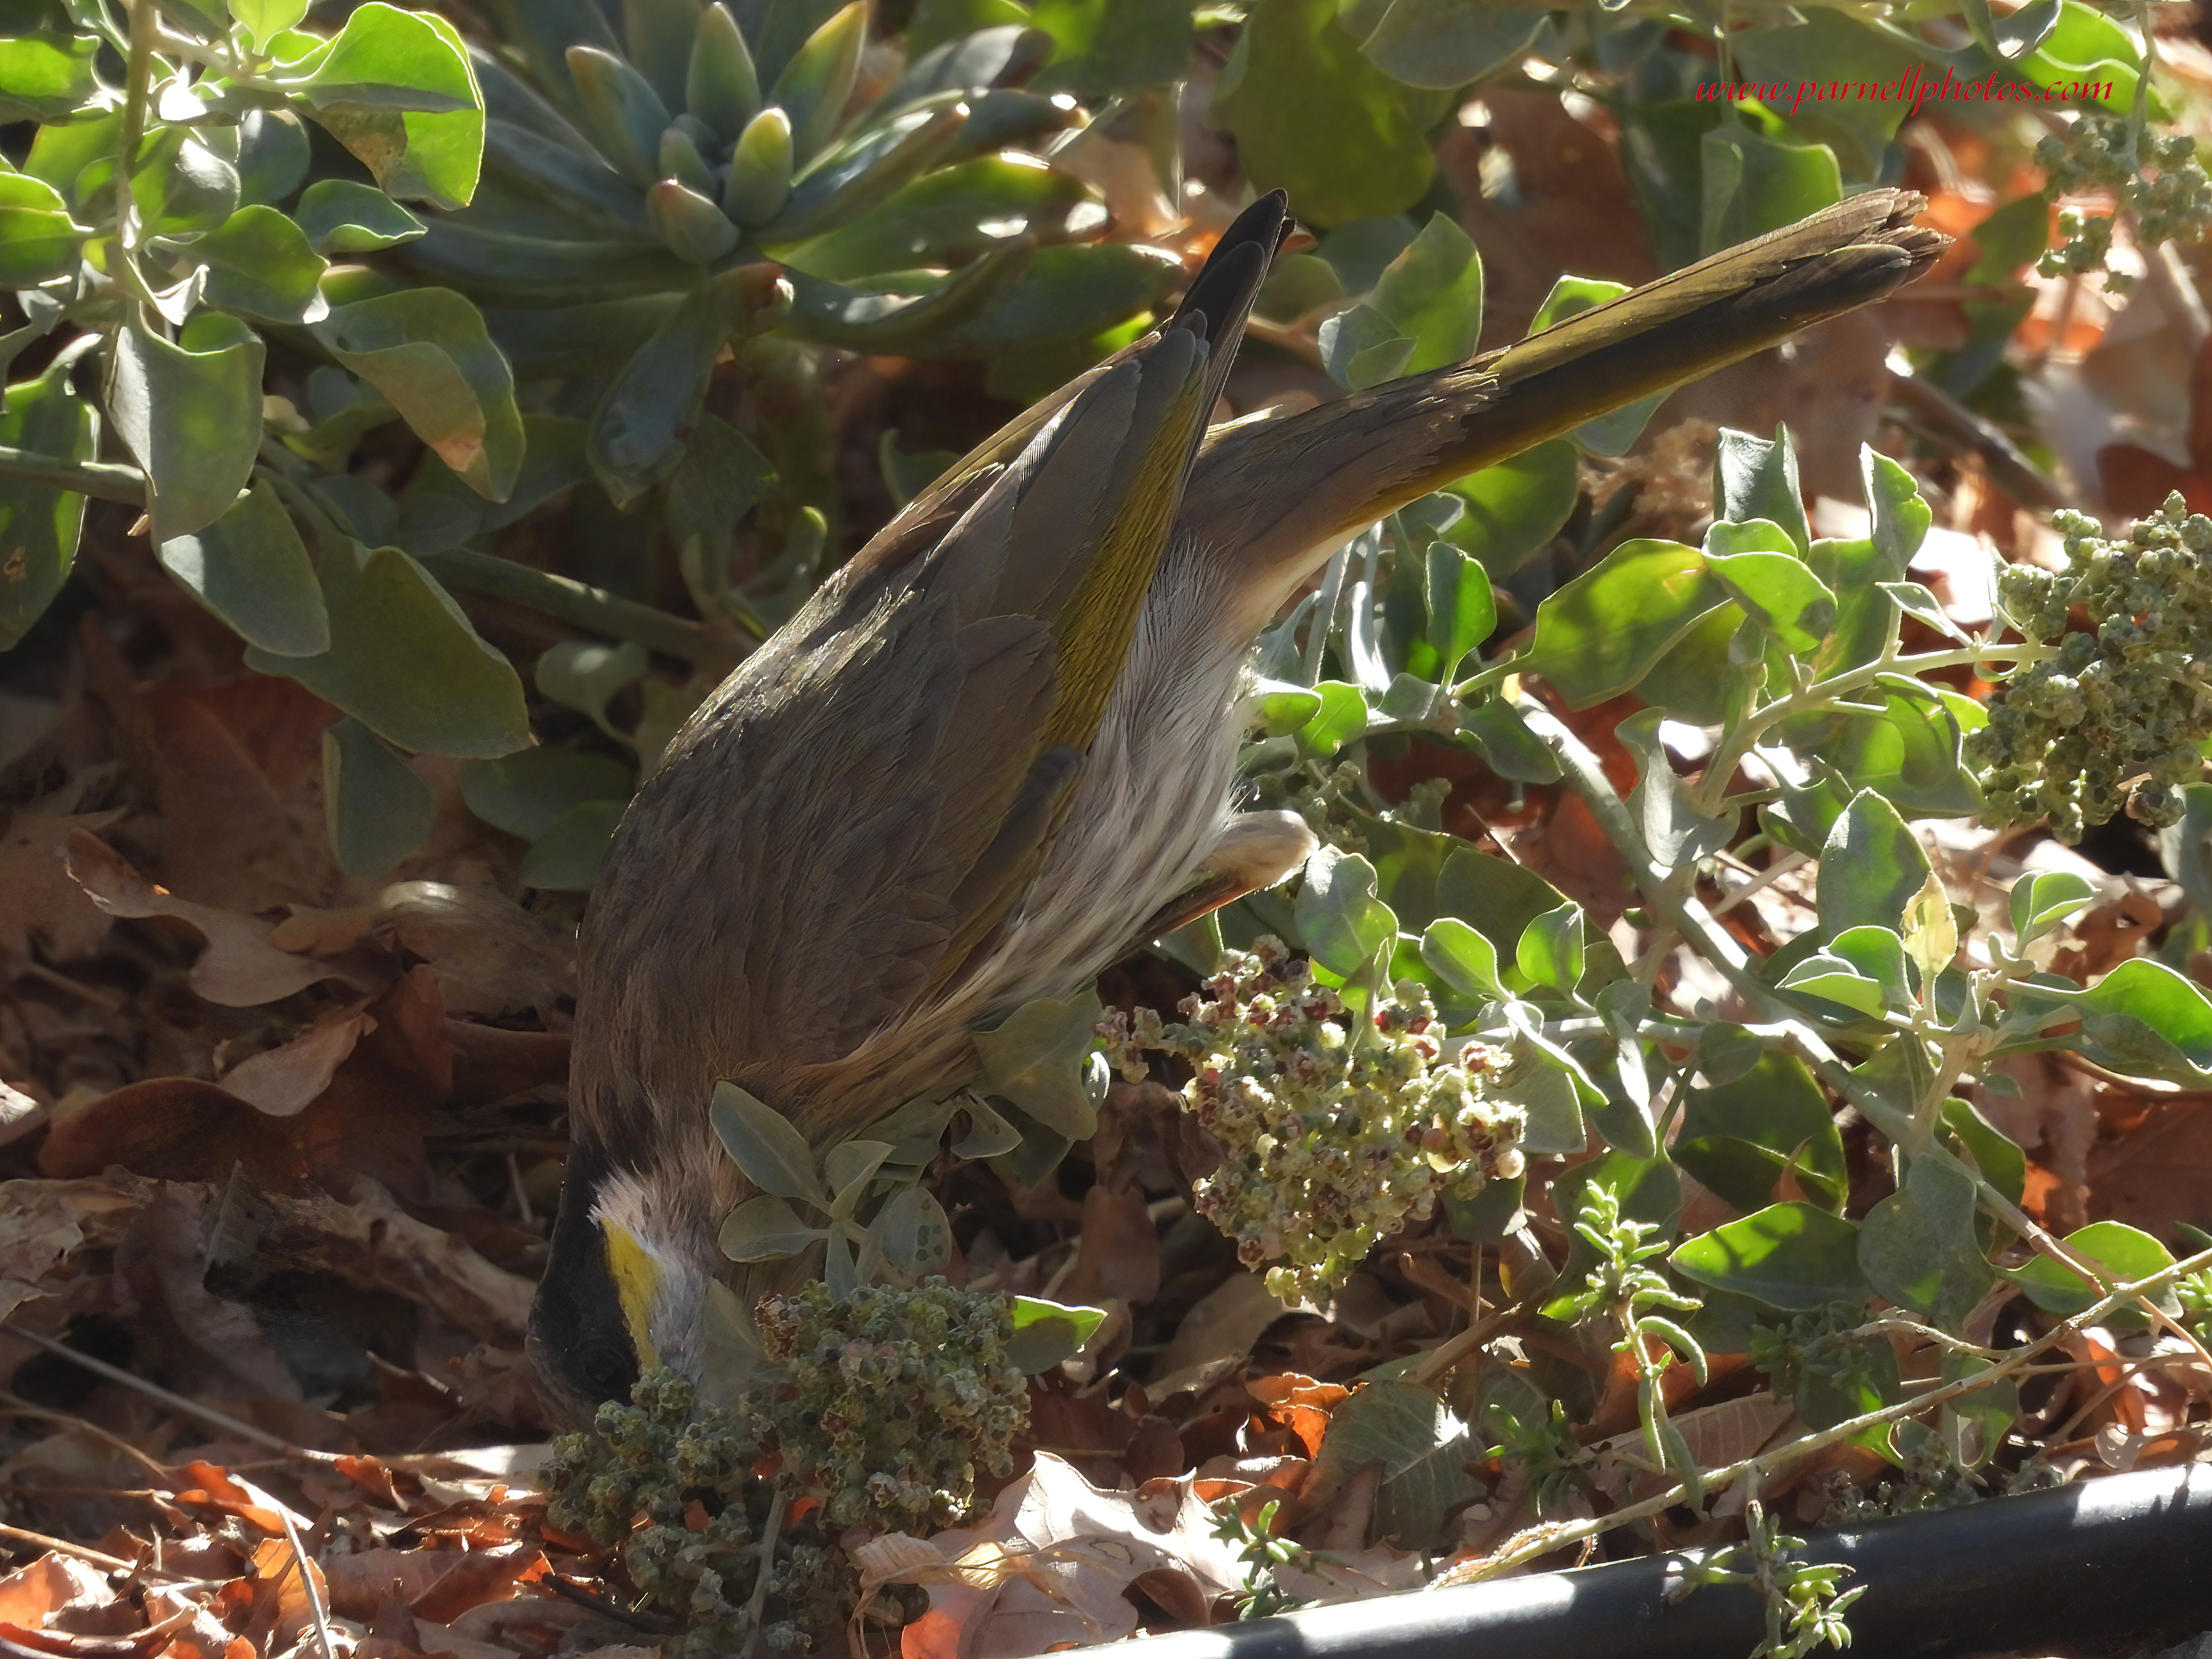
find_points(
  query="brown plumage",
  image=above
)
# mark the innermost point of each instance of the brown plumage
(998, 741)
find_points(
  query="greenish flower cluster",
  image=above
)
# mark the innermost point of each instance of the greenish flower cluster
(1334, 1131)
(2113, 716)
(2194, 1290)
(2157, 180)
(643, 1476)
(891, 1400)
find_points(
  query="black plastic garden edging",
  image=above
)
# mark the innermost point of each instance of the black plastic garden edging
(2096, 1567)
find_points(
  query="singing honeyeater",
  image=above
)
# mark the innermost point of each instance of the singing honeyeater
(997, 748)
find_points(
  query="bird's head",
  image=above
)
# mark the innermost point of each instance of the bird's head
(629, 1284)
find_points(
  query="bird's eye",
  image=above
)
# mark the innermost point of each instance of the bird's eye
(608, 1370)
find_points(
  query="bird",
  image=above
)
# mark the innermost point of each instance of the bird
(996, 748)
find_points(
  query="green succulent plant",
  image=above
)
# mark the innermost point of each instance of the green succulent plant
(538, 248)
(705, 173)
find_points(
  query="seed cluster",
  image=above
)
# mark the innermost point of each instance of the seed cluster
(2114, 716)
(670, 1481)
(2157, 180)
(1335, 1132)
(892, 1401)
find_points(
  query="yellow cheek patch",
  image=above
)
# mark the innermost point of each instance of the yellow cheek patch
(637, 1277)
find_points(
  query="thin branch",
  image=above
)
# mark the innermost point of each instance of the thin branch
(107, 481)
(176, 1401)
(1542, 1541)
(578, 604)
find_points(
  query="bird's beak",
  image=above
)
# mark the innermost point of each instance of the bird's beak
(637, 1286)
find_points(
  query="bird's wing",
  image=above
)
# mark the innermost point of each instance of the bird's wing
(865, 802)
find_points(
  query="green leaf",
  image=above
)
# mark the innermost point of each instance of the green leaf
(1675, 830)
(758, 183)
(1991, 1154)
(1516, 507)
(1553, 1094)
(2145, 1020)
(1361, 348)
(1423, 1448)
(2085, 45)
(1901, 518)
(1447, 44)
(1513, 751)
(377, 809)
(1975, 1424)
(623, 111)
(717, 482)
(815, 87)
(1598, 635)
(1338, 915)
(1754, 478)
(1284, 708)
(1607, 434)
(1866, 620)
(397, 89)
(636, 435)
(938, 219)
(1792, 1256)
(265, 19)
(1779, 593)
(772, 1154)
(567, 857)
(259, 264)
(1871, 868)
(1035, 1059)
(1341, 720)
(1463, 959)
(1842, 55)
(525, 793)
(1047, 1333)
(1739, 1137)
(1837, 981)
(989, 1136)
(658, 36)
(1753, 183)
(179, 186)
(1918, 1246)
(339, 216)
(1067, 292)
(848, 1168)
(1879, 954)
(1909, 754)
(2123, 1254)
(765, 1229)
(46, 77)
(1461, 609)
(938, 23)
(1105, 46)
(1550, 950)
(39, 524)
(38, 240)
(191, 413)
(252, 569)
(2042, 899)
(584, 675)
(721, 86)
(426, 351)
(403, 659)
(272, 155)
(1432, 293)
(691, 228)
(914, 1232)
(1313, 116)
